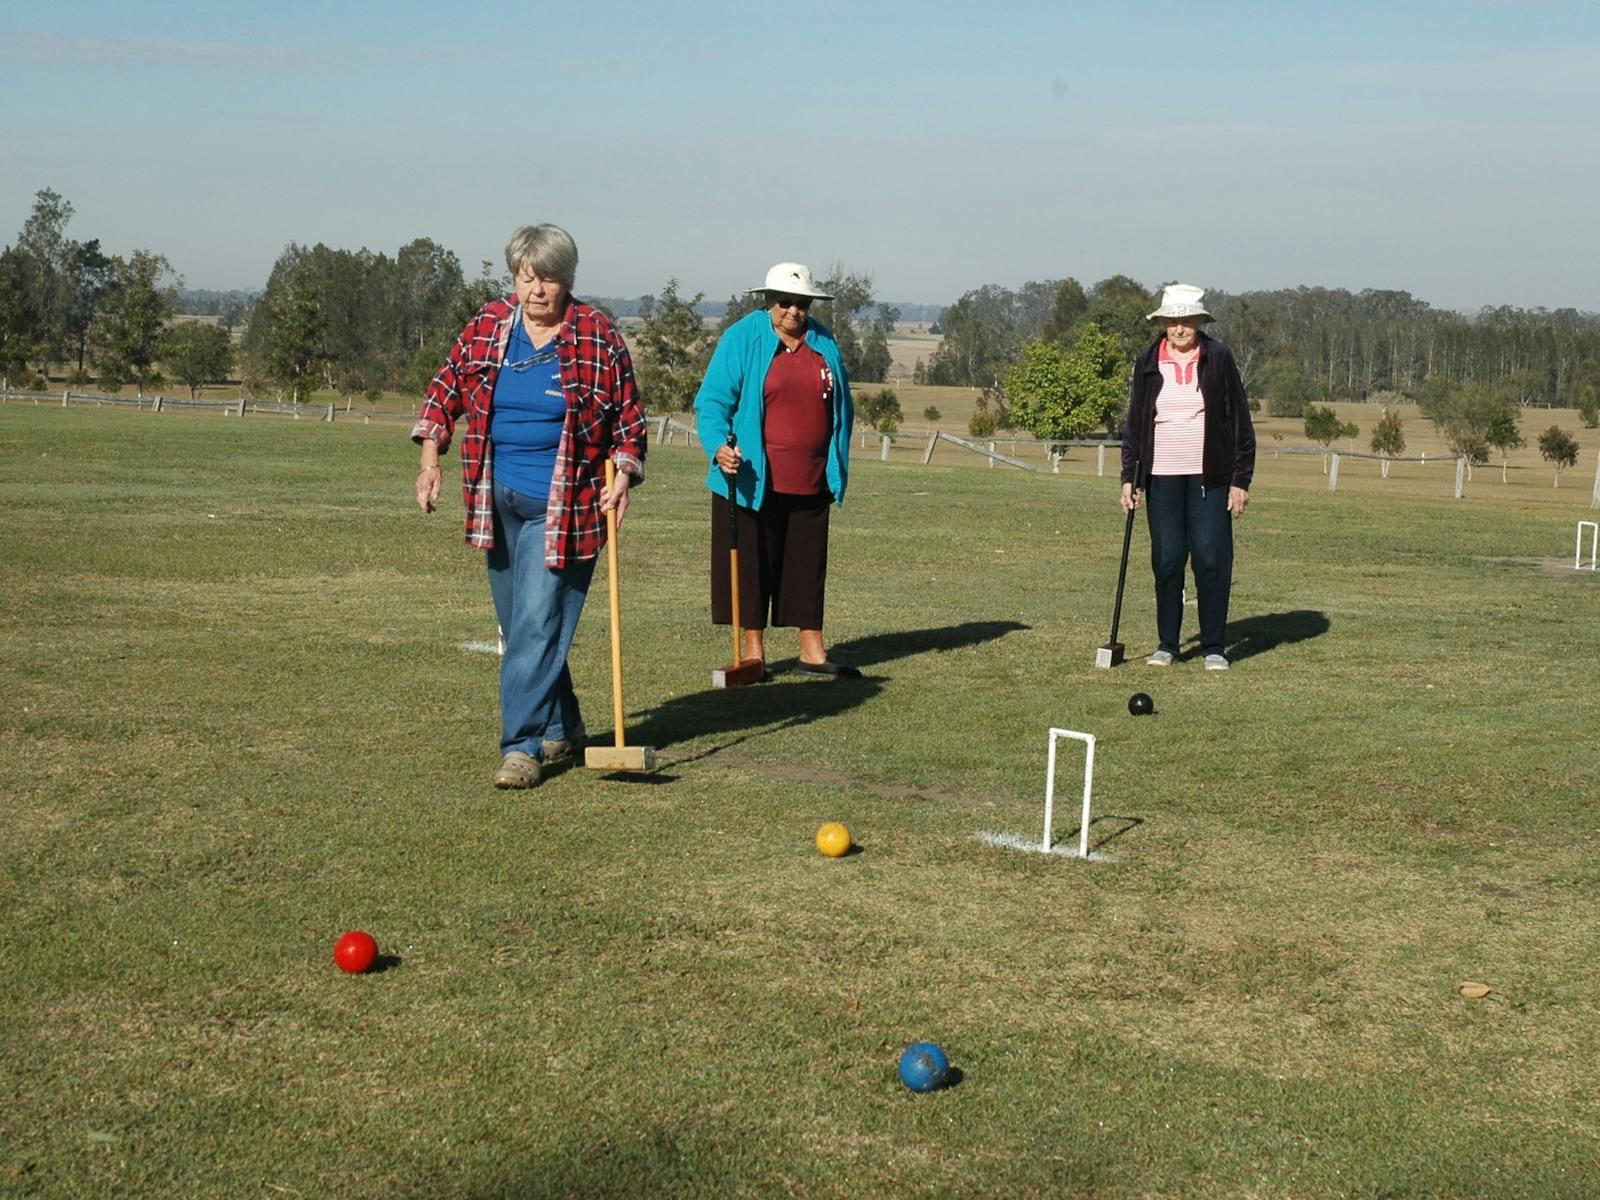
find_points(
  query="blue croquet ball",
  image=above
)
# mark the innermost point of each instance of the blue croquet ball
(924, 1067)
(1140, 705)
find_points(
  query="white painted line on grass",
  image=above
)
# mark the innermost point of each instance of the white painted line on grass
(1015, 841)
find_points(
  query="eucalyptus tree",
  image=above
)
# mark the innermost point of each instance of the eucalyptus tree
(44, 240)
(1502, 433)
(1558, 448)
(140, 298)
(21, 331)
(89, 274)
(674, 348)
(197, 353)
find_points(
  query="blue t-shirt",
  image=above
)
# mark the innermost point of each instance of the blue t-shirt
(526, 415)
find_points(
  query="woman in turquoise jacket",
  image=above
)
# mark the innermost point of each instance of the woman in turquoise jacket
(775, 416)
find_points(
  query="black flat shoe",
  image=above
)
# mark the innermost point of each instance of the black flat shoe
(827, 669)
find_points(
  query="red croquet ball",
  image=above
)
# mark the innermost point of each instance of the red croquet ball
(356, 952)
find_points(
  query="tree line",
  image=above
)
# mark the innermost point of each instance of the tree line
(353, 322)
(1051, 357)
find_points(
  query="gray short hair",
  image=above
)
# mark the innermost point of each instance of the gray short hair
(547, 250)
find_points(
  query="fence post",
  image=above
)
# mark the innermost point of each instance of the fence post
(884, 453)
(927, 455)
(1595, 500)
(1461, 475)
(156, 406)
(1100, 464)
(991, 456)
(329, 417)
(241, 410)
(1333, 473)
(64, 398)
(1055, 462)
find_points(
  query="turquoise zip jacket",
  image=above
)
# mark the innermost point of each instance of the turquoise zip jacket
(730, 400)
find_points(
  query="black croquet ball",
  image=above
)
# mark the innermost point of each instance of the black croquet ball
(1140, 705)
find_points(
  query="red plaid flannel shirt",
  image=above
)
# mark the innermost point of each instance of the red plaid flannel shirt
(603, 415)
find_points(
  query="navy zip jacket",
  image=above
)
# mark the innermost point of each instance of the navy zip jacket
(1229, 457)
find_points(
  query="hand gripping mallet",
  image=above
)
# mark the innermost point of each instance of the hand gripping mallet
(741, 672)
(620, 757)
(1111, 653)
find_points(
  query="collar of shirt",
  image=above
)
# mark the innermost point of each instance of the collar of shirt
(567, 332)
(1164, 354)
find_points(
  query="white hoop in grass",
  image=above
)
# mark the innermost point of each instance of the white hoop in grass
(1045, 846)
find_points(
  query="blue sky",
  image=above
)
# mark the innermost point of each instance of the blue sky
(1446, 149)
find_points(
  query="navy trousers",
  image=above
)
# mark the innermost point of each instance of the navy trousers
(1189, 521)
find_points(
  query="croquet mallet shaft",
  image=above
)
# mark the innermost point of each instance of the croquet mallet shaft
(620, 757)
(740, 672)
(1112, 652)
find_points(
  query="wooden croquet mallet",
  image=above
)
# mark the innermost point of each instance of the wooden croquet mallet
(741, 672)
(621, 757)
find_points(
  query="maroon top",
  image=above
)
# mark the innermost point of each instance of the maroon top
(798, 420)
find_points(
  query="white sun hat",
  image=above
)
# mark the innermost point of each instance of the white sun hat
(791, 279)
(1182, 300)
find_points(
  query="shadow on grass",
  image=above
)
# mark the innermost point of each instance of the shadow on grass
(885, 647)
(1257, 635)
(1124, 825)
(792, 701)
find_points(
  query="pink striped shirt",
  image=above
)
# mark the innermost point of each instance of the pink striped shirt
(1180, 417)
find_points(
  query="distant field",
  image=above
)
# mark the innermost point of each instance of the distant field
(240, 717)
(909, 346)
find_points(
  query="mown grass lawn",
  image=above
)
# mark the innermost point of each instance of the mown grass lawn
(238, 719)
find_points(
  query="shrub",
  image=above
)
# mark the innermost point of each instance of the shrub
(880, 409)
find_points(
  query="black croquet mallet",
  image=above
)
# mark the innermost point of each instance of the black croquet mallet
(1113, 652)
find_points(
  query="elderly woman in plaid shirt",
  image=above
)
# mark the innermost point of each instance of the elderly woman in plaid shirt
(546, 385)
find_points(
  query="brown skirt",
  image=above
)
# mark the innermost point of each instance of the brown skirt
(783, 562)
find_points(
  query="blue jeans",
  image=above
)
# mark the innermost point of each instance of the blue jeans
(1190, 521)
(538, 609)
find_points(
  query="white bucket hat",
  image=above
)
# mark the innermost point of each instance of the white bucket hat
(791, 279)
(1181, 300)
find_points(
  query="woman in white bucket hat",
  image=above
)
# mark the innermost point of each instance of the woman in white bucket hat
(1189, 447)
(776, 383)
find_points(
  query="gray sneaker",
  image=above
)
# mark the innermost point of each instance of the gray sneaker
(1161, 658)
(1215, 662)
(518, 770)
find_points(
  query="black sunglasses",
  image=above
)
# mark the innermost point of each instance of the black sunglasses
(800, 302)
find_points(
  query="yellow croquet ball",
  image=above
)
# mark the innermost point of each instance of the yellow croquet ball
(833, 839)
